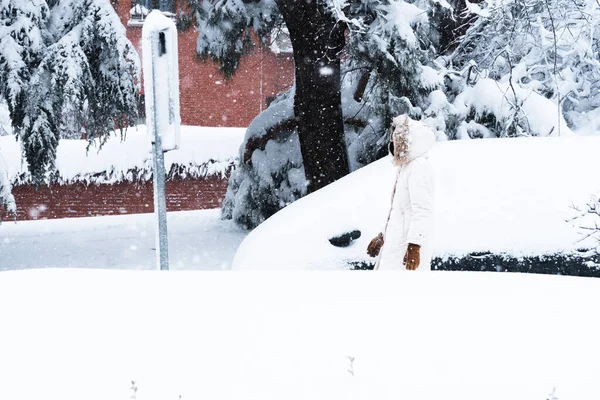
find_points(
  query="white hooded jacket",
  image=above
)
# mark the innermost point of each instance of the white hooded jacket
(411, 214)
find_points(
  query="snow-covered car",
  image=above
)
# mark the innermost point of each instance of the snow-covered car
(511, 197)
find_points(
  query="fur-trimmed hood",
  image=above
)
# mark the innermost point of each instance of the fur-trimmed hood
(420, 137)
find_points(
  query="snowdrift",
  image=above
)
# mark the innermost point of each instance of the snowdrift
(503, 196)
(97, 335)
(204, 151)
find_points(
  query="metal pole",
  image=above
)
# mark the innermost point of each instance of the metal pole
(160, 203)
(160, 206)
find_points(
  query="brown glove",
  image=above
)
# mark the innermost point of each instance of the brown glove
(375, 245)
(412, 258)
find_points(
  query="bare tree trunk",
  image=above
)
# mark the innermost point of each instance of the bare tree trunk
(317, 40)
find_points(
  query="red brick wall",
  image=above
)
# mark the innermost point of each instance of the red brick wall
(81, 200)
(206, 98)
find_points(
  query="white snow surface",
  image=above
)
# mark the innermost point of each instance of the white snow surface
(510, 196)
(212, 149)
(197, 240)
(73, 334)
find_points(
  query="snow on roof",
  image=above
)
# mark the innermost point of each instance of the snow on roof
(511, 196)
(204, 151)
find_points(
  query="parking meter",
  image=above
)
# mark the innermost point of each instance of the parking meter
(161, 87)
(161, 79)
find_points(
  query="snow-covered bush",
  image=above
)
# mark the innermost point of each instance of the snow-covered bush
(66, 67)
(533, 63)
(492, 108)
(271, 176)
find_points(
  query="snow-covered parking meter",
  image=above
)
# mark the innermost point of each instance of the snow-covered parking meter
(161, 79)
(161, 87)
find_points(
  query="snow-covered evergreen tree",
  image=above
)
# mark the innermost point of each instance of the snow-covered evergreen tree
(66, 67)
(228, 29)
(23, 38)
(384, 73)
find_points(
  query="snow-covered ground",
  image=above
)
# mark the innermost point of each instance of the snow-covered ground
(509, 196)
(197, 240)
(87, 334)
(205, 150)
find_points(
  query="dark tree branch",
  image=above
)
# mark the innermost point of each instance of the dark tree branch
(362, 86)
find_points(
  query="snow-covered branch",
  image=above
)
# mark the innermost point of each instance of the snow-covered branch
(546, 47)
(588, 220)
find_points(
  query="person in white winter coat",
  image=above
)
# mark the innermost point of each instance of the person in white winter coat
(406, 240)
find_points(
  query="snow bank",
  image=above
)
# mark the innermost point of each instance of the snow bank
(508, 196)
(204, 151)
(73, 334)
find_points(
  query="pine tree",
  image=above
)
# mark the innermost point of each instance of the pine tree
(23, 38)
(317, 39)
(66, 67)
